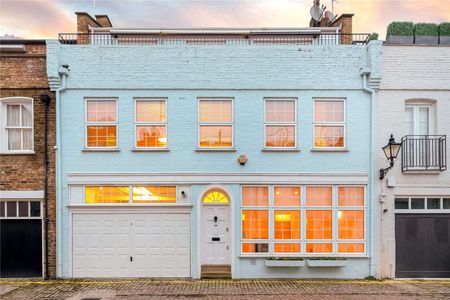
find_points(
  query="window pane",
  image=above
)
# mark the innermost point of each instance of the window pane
(423, 120)
(27, 139)
(417, 203)
(433, 203)
(13, 115)
(287, 224)
(286, 248)
(351, 248)
(328, 136)
(287, 196)
(14, 139)
(102, 136)
(23, 208)
(35, 209)
(280, 136)
(255, 224)
(151, 136)
(101, 111)
(319, 248)
(151, 111)
(255, 196)
(106, 194)
(216, 136)
(215, 197)
(318, 224)
(26, 116)
(328, 111)
(11, 209)
(351, 196)
(401, 203)
(2, 209)
(255, 248)
(409, 120)
(216, 111)
(280, 110)
(446, 203)
(318, 196)
(350, 224)
(154, 194)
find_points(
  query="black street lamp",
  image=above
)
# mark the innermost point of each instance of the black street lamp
(391, 151)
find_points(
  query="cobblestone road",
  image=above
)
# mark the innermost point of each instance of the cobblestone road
(223, 289)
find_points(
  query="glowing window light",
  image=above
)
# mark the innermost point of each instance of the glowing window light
(215, 197)
(282, 218)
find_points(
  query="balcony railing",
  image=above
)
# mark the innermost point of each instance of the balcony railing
(213, 39)
(424, 153)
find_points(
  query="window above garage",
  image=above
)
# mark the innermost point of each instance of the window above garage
(145, 194)
(418, 204)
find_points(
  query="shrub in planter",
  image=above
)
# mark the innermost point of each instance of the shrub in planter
(284, 262)
(373, 37)
(326, 262)
(400, 33)
(444, 33)
(426, 33)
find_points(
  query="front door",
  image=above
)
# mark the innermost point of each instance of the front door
(215, 233)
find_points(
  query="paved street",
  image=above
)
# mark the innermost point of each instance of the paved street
(223, 289)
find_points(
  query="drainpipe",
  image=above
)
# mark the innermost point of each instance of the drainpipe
(45, 99)
(64, 72)
(365, 73)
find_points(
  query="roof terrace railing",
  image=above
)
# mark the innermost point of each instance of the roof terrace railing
(213, 39)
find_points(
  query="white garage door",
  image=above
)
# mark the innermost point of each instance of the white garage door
(131, 245)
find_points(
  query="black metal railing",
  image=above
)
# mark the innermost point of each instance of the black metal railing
(214, 39)
(424, 153)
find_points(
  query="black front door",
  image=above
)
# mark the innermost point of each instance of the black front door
(422, 243)
(20, 248)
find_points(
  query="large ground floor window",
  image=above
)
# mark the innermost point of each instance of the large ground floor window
(292, 220)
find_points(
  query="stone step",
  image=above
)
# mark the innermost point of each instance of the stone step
(216, 271)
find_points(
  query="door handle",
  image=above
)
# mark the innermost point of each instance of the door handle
(131, 258)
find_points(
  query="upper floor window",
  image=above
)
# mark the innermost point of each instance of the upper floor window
(329, 123)
(418, 119)
(16, 125)
(215, 123)
(151, 123)
(280, 123)
(101, 123)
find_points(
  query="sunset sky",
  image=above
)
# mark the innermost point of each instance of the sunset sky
(45, 18)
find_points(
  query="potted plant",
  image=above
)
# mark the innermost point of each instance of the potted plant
(426, 34)
(326, 262)
(373, 37)
(285, 262)
(444, 33)
(400, 33)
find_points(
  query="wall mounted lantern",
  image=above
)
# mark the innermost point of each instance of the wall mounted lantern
(391, 151)
(242, 159)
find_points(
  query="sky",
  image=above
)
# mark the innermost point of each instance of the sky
(39, 19)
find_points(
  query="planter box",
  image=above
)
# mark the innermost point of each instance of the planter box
(444, 40)
(285, 263)
(400, 39)
(426, 40)
(326, 263)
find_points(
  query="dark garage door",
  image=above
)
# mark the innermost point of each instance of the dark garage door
(20, 248)
(422, 244)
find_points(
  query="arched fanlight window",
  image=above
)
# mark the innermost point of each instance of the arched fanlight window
(215, 197)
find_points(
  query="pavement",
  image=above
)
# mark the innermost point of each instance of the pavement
(102, 289)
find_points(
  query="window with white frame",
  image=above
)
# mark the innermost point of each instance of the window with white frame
(431, 204)
(101, 123)
(329, 123)
(151, 123)
(20, 209)
(16, 125)
(280, 123)
(139, 194)
(215, 123)
(312, 220)
(418, 119)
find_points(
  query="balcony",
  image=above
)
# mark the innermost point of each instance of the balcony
(290, 37)
(424, 153)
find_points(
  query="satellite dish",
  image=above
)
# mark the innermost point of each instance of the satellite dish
(316, 13)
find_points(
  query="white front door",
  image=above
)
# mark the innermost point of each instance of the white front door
(215, 233)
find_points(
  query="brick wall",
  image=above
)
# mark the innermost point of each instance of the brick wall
(24, 75)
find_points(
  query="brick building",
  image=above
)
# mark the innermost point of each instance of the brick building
(27, 167)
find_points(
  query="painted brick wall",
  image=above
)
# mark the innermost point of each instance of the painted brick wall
(23, 75)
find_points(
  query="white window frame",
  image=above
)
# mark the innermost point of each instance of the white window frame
(17, 200)
(416, 107)
(199, 123)
(293, 123)
(22, 101)
(424, 210)
(334, 208)
(329, 124)
(87, 123)
(136, 123)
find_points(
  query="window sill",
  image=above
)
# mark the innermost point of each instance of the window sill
(280, 150)
(215, 150)
(129, 205)
(303, 255)
(150, 150)
(330, 150)
(100, 150)
(30, 152)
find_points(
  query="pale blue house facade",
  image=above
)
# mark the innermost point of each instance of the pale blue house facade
(174, 157)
